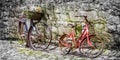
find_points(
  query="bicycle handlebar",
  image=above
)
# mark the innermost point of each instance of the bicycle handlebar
(85, 17)
(81, 16)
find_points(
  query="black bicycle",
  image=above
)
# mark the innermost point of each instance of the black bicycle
(39, 34)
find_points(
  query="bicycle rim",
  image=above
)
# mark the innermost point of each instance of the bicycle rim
(92, 51)
(40, 36)
(64, 45)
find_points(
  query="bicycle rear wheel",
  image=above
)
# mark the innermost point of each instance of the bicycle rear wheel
(65, 45)
(39, 36)
(92, 51)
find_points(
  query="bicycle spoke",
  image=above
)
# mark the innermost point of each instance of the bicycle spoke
(95, 50)
(39, 36)
(65, 45)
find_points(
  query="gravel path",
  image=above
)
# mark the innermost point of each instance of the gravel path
(16, 51)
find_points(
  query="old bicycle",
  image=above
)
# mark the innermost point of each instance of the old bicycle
(89, 45)
(39, 33)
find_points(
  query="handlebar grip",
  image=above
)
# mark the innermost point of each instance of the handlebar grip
(85, 16)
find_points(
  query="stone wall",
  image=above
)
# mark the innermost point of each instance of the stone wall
(108, 10)
(7, 13)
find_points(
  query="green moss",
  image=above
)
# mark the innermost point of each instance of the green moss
(78, 29)
(23, 50)
(68, 19)
(28, 51)
(101, 25)
(36, 16)
(11, 41)
(38, 52)
(21, 41)
(101, 31)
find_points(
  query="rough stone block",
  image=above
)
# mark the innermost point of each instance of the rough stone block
(117, 39)
(86, 7)
(112, 28)
(113, 20)
(92, 15)
(4, 20)
(102, 14)
(116, 12)
(5, 13)
(118, 29)
(87, 1)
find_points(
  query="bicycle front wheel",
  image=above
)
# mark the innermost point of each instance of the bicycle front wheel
(92, 51)
(65, 45)
(39, 36)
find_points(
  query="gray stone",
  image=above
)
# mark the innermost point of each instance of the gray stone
(113, 20)
(86, 6)
(45, 59)
(117, 42)
(118, 54)
(110, 11)
(92, 15)
(100, 1)
(31, 58)
(118, 29)
(87, 1)
(114, 2)
(105, 6)
(112, 28)
(115, 6)
(102, 14)
(115, 12)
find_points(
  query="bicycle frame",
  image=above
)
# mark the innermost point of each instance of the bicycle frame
(89, 45)
(82, 37)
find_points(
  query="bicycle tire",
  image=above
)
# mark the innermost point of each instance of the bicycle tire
(62, 42)
(93, 51)
(41, 37)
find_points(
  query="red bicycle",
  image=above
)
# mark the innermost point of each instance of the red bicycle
(89, 45)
